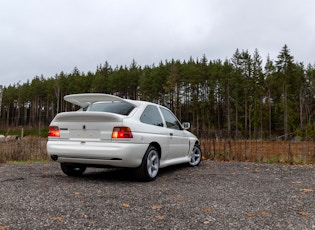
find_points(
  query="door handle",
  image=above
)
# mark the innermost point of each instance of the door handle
(171, 134)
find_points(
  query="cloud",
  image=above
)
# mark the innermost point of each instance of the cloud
(47, 37)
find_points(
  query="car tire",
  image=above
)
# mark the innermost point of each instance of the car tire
(72, 170)
(149, 168)
(196, 156)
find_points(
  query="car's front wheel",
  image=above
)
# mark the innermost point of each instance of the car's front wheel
(149, 167)
(72, 170)
(196, 156)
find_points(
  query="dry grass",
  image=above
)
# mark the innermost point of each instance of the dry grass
(34, 149)
(29, 149)
(260, 151)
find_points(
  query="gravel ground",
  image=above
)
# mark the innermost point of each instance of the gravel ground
(215, 195)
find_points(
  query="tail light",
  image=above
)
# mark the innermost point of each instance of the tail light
(54, 131)
(122, 132)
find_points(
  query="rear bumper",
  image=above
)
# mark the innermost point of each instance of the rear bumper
(118, 154)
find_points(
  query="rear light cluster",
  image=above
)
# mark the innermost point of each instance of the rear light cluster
(122, 132)
(118, 132)
(54, 131)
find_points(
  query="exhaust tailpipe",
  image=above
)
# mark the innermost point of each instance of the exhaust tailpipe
(54, 157)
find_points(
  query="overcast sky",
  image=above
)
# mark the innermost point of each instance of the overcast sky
(46, 37)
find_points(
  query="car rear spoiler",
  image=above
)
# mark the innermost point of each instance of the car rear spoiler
(85, 99)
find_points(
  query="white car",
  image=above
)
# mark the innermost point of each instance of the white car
(111, 131)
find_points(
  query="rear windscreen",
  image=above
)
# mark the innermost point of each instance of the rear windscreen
(112, 107)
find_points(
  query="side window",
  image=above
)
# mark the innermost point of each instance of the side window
(170, 119)
(151, 116)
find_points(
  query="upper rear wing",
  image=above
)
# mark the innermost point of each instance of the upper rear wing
(85, 99)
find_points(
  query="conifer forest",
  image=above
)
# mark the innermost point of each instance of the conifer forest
(243, 97)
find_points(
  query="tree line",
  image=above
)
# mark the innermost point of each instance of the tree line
(238, 97)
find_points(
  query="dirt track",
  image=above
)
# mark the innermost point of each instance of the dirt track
(215, 195)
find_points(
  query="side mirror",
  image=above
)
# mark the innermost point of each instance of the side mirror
(186, 125)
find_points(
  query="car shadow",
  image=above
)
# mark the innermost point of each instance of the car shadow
(127, 175)
(110, 174)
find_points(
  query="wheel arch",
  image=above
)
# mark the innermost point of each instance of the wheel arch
(158, 148)
(197, 142)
